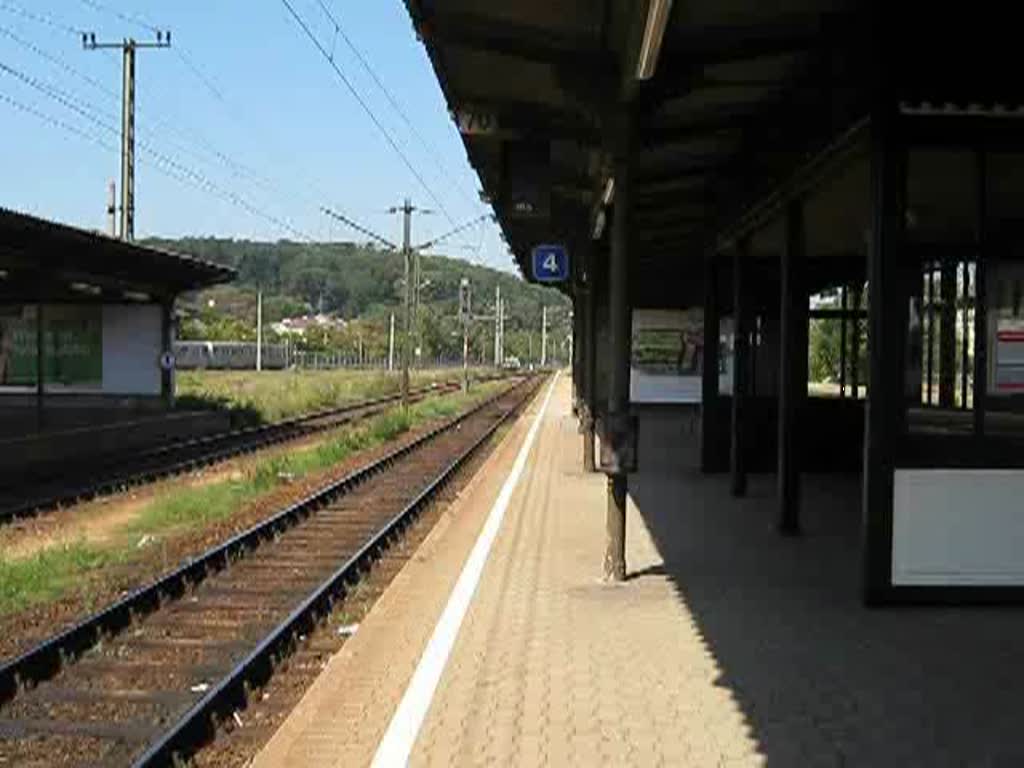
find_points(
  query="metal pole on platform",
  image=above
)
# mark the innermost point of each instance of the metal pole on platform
(167, 345)
(740, 364)
(792, 368)
(617, 429)
(709, 421)
(543, 336)
(844, 326)
(855, 342)
(590, 386)
(887, 327)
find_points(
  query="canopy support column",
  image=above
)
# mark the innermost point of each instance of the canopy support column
(792, 368)
(587, 414)
(167, 347)
(741, 365)
(887, 323)
(618, 432)
(40, 367)
(709, 421)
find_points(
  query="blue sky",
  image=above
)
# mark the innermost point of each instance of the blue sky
(243, 103)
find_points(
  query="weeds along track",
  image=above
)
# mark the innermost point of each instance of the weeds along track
(27, 496)
(145, 681)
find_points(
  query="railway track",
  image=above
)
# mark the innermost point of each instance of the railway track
(34, 495)
(145, 681)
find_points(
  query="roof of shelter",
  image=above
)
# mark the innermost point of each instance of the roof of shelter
(40, 256)
(743, 93)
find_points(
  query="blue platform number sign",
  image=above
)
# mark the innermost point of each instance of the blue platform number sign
(550, 264)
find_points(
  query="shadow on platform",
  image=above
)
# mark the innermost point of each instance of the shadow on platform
(821, 679)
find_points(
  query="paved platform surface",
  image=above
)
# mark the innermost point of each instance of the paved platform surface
(728, 645)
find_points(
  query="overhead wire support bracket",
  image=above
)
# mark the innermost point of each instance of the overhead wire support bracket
(366, 107)
(358, 227)
(453, 232)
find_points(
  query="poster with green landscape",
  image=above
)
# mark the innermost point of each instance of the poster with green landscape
(73, 345)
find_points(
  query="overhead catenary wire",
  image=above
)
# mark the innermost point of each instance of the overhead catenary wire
(238, 168)
(94, 138)
(431, 151)
(182, 172)
(180, 52)
(84, 110)
(130, 18)
(366, 108)
(57, 61)
(358, 227)
(186, 136)
(56, 122)
(451, 233)
(40, 18)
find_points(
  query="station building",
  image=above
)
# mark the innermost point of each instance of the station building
(100, 374)
(724, 175)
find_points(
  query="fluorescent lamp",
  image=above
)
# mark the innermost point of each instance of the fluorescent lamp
(599, 225)
(609, 192)
(92, 290)
(657, 19)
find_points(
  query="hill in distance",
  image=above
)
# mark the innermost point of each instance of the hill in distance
(364, 286)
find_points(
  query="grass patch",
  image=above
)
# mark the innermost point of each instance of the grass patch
(60, 570)
(274, 395)
(48, 575)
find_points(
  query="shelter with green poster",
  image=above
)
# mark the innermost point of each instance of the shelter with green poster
(88, 319)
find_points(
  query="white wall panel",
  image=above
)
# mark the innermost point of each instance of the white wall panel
(131, 349)
(958, 527)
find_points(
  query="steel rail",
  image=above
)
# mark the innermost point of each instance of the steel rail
(47, 658)
(209, 449)
(230, 695)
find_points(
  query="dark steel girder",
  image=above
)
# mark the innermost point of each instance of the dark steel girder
(481, 32)
(700, 46)
(670, 234)
(670, 214)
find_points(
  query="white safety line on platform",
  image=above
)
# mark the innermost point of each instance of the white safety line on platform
(396, 746)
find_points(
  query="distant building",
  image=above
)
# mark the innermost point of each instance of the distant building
(298, 326)
(87, 317)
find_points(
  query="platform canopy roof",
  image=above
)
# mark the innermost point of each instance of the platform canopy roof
(735, 103)
(41, 259)
(738, 94)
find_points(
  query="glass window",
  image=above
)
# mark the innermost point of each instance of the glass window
(1004, 342)
(942, 216)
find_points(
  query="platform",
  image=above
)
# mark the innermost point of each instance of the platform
(728, 645)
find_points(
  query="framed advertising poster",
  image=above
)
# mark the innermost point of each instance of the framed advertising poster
(72, 345)
(668, 356)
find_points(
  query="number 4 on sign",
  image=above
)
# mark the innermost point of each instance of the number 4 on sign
(550, 263)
